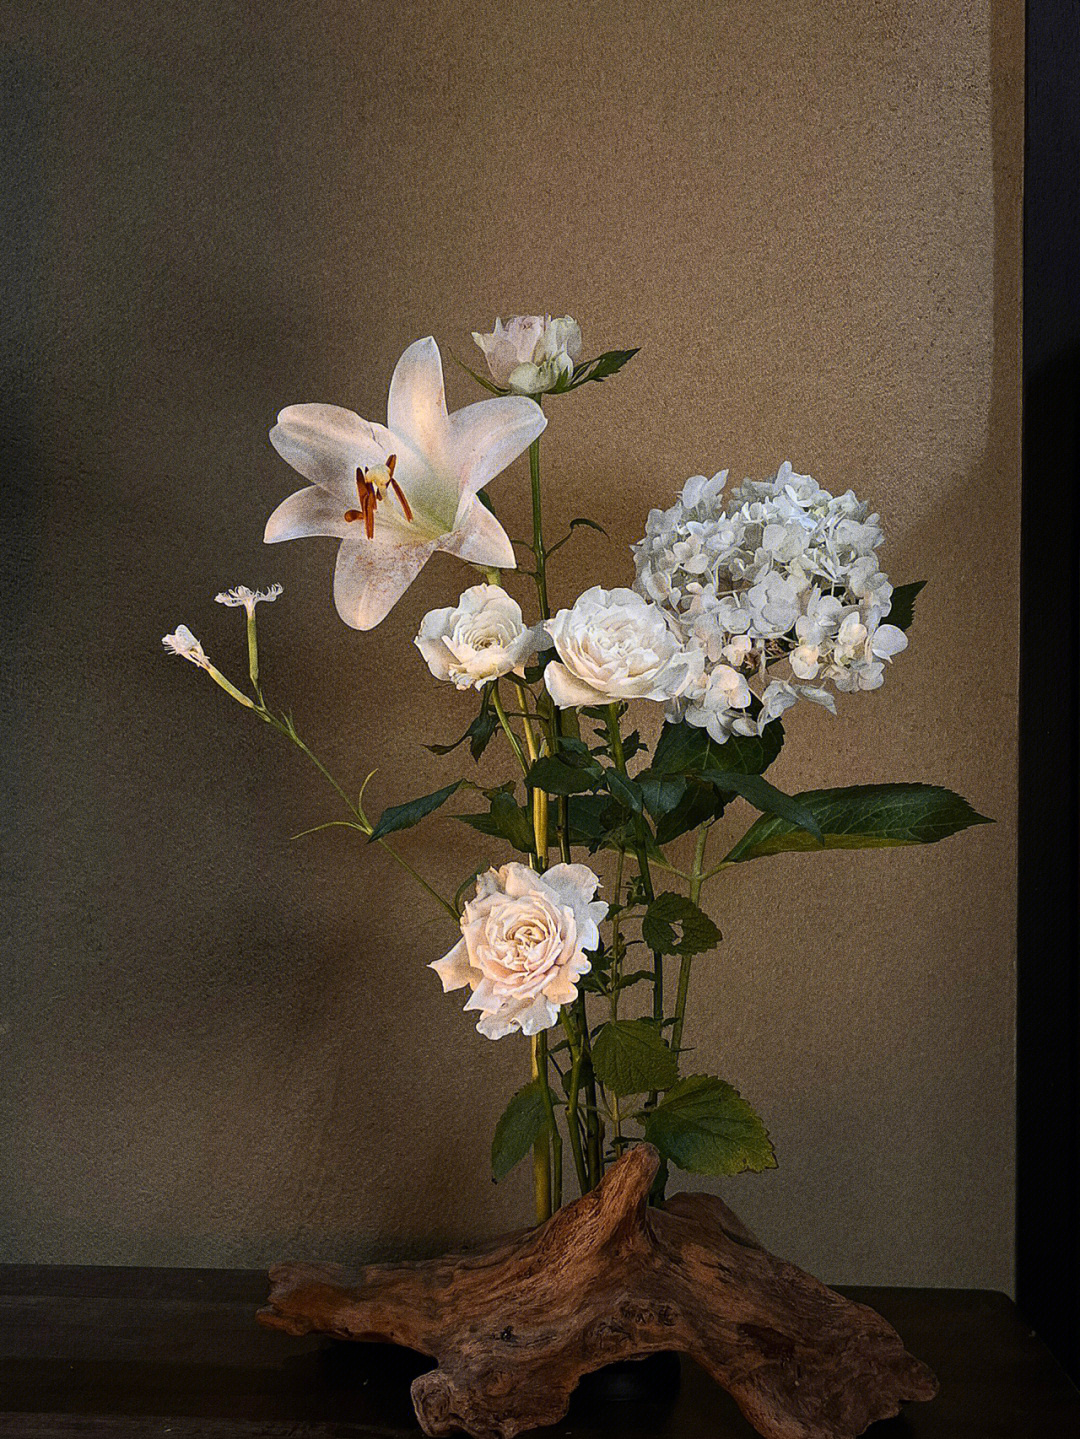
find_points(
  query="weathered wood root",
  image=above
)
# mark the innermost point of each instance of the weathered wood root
(514, 1327)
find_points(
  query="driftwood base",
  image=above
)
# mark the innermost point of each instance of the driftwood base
(515, 1326)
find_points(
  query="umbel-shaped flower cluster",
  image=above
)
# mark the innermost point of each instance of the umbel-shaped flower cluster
(745, 601)
(778, 570)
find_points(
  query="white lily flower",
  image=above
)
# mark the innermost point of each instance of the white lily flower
(395, 493)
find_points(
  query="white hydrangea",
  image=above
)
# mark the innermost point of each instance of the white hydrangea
(776, 570)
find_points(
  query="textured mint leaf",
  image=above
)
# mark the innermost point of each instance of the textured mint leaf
(866, 816)
(629, 1057)
(704, 1126)
(523, 1121)
(902, 611)
(674, 924)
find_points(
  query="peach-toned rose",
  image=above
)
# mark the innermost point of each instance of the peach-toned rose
(522, 946)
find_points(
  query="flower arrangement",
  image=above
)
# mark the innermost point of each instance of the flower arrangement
(745, 601)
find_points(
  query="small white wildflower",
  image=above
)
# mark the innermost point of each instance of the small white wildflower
(183, 643)
(241, 595)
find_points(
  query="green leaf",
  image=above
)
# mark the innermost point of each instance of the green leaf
(864, 816)
(630, 1057)
(523, 1121)
(684, 749)
(506, 820)
(699, 803)
(479, 732)
(486, 500)
(480, 380)
(698, 933)
(661, 792)
(704, 1125)
(558, 777)
(404, 816)
(601, 367)
(902, 610)
(625, 790)
(591, 524)
(765, 797)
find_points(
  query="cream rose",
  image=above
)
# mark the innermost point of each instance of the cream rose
(522, 946)
(480, 638)
(531, 353)
(615, 645)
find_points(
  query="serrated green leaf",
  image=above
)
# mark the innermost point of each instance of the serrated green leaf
(684, 749)
(403, 816)
(765, 797)
(609, 363)
(698, 933)
(902, 610)
(523, 1121)
(507, 820)
(704, 1126)
(866, 816)
(629, 1057)
(557, 776)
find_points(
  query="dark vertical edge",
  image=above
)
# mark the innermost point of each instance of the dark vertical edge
(1048, 967)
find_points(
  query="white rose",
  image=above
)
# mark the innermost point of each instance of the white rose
(480, 638)
(522, 946)
(531, 353)
(615, 645)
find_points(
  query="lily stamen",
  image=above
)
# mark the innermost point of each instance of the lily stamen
(371, 486)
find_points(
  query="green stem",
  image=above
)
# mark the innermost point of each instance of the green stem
(538, 529)
(541, 1165)
(288, 730)
(572, 1104)
(504, 720)
(696, 879)
(641, 854)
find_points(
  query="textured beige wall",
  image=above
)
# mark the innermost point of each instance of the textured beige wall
(219, 1046)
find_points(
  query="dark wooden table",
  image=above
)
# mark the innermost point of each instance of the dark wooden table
(149, 1352)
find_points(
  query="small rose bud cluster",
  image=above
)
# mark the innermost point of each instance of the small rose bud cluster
(779, 571)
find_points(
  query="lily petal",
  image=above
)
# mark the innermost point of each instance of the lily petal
(372, 575)
(478, 537)
(416, 405)
(309, 512)
(327, 444)
(486, 437)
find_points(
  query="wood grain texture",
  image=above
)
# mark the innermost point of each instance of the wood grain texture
(514, 1327)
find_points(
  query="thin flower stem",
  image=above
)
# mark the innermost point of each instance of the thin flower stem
(530, 733)
(696, 879)
(641, 854)
(253, 650)
(288, 729)
(541, 1163)
(572, 1103)
(504, 720)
